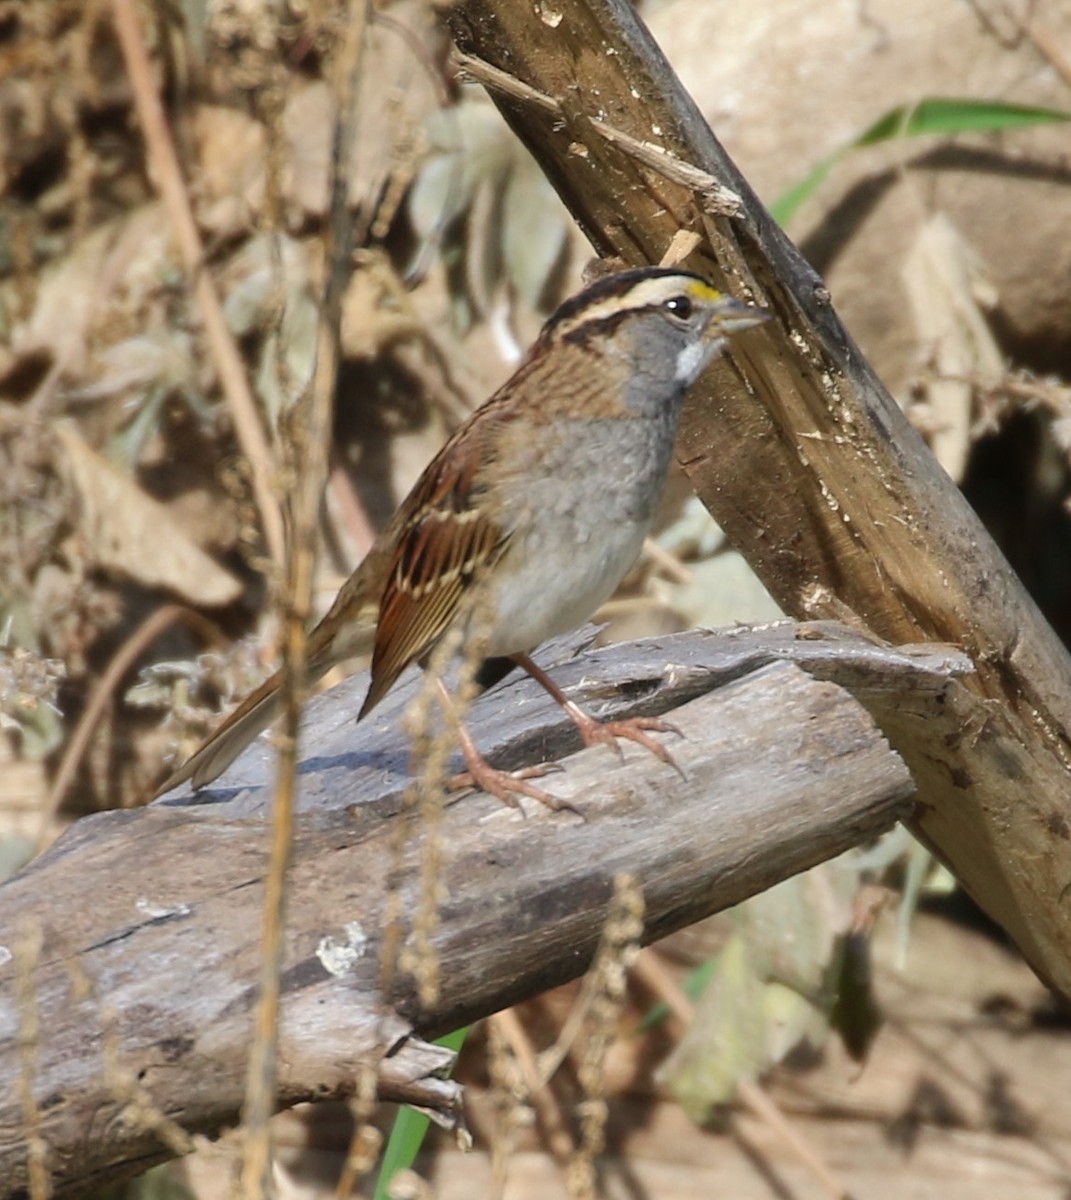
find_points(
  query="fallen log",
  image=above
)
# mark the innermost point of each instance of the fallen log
(130, 949)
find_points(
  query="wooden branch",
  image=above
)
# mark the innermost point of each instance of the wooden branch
(802, 456)
(147, 920)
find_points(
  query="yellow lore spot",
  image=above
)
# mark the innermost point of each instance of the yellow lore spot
(701, 290)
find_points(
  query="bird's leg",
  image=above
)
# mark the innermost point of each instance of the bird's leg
(506, 785)
(595, 732)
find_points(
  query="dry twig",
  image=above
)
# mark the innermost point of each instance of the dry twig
(312, 430)
(125, 657)
(228, 361)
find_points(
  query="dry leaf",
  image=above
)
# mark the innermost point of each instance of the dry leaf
(943, 279)
(397, 92)
(480, 190)
(230, 172)
(131, 534)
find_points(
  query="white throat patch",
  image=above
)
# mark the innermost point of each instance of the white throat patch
(693, 358)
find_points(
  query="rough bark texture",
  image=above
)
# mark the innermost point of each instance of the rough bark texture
(801, 454)
(148, 921)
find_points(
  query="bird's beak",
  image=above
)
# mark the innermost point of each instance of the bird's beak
(732, 316)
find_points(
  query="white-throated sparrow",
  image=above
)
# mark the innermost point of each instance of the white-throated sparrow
(529, 516)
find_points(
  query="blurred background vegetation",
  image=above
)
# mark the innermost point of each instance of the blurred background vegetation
(136, 597)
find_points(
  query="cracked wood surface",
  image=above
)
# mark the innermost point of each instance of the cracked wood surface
(149, 920)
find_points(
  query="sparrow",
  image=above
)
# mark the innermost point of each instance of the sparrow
(529, 516)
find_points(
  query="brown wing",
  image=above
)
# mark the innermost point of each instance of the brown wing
(446, 544)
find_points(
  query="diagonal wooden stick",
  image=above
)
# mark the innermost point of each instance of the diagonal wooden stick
(802, 456)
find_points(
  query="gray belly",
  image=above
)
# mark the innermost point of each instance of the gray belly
(573, 542)
(559, 582)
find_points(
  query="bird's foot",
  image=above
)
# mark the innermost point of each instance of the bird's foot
(504, 785)
(508, 785)
(633, 729)
(606, 733)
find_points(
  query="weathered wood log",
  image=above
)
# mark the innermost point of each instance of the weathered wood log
(148, 921)
(800, 453)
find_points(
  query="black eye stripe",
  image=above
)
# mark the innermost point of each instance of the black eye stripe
(679, 306)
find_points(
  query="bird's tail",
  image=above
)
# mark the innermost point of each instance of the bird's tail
(254, 714)
(345, 632)
(260, 708)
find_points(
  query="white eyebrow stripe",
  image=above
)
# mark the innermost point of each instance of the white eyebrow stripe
(645, 293)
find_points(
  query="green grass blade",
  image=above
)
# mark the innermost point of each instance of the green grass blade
(409, 1129)
(693, 987)
(784, 207)
(936, 117)
(944, 117)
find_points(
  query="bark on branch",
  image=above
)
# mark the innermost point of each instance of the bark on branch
(801, 454)
(147, 922)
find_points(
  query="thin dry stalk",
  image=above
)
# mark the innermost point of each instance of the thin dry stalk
(422, 808)
(423, 804)
(618, 949)
(425, 797)
(228, 361)
(27, 956)
(428, 758)
(312, 431)
(139, 1108)
(363, 1150)
(509, 1094)
(547, 1108)
(125, 657)
(582, 1016)
(591, 1027)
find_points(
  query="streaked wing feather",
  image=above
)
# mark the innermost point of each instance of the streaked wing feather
(447, 547)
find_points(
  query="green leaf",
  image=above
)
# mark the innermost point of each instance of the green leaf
(935, 117)
(158, 1183)
(728, 1040)
(409, 1129)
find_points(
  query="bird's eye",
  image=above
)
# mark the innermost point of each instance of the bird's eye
(679, 306)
